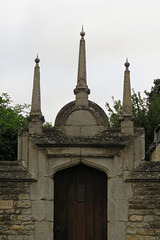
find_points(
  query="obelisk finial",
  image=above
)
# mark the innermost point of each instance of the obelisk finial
(127, 125)
(81, 91)
(35, 118)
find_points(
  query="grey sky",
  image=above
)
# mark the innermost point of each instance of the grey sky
(115, 29)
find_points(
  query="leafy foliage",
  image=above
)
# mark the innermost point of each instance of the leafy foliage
(139, 109)
(146, 111)
(115, 113)
(153, 116)
(47, 124)
(10, 119)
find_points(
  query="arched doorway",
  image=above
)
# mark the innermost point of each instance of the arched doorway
(80, 204)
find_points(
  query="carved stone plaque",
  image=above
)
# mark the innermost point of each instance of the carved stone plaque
(6, 204)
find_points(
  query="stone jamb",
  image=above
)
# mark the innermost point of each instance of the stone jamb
(105, 165)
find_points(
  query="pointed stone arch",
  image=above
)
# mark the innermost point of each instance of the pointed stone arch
(80, 203)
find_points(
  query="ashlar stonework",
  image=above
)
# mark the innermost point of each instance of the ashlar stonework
(81, 179)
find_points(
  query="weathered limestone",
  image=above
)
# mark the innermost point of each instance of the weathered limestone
(81, 135)
(15, 221)
(77, 121)
(144, 211)
(81, 91)
(127, 125)
(35, 118)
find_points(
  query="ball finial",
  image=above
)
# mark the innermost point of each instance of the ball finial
(37, 60)
(82, 33)
(127, 64)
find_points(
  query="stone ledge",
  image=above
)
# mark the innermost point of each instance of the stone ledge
(78, 155)
(13, 171)
(147, 171)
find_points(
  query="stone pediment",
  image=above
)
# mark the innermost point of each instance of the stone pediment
(76, 120)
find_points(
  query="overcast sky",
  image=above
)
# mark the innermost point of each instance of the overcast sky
(115, 29)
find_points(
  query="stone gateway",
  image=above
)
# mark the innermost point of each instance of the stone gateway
(81, 179)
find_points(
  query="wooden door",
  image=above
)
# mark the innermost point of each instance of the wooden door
(80, 204)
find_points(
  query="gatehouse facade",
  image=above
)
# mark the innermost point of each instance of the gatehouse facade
(81, 179)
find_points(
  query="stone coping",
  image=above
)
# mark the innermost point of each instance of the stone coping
(53, 137)
(14, 171)
(147, 171)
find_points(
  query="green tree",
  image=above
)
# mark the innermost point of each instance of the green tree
(10, 119)
(146, 111)
(114, 113)
(139, 108)
(47, 124)
(153, 116)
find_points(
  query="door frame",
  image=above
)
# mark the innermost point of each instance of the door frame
(98, 170)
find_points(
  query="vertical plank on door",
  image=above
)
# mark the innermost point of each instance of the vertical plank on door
(72, 198)
(80, 205)
(90, 204)
(81, 219)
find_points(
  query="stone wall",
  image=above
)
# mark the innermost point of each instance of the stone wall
(144, 212)
(16, 222)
